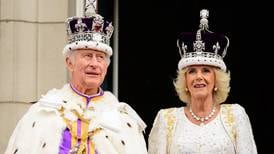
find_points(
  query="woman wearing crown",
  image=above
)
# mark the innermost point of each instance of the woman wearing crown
(204, 125)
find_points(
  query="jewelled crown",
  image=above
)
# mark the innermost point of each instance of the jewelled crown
(90, 31)
(203, 47)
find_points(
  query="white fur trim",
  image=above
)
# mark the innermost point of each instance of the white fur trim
(51, 99)
(111, 120)
(88, 45)
(124, 107)
(184, 62)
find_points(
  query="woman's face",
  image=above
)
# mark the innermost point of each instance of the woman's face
(200, 80)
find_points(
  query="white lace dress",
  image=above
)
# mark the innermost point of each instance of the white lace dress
(211, 138)
(229, 133)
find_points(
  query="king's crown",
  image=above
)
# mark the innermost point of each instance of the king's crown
(93, 28)
(88, 31)
(203, 47)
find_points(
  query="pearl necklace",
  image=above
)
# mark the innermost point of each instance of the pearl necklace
(203, 119)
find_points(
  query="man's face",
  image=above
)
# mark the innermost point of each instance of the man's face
(88, 68)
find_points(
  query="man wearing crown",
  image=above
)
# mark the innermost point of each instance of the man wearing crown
(81, 118)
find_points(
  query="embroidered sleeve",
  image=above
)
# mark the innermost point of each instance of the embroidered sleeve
(244, 137)
(157, 137)
(161, 132)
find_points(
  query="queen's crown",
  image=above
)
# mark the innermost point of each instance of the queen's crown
(203, 47)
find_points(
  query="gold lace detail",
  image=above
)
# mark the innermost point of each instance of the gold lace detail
(170, 120)
(229, 120)
(72, 126)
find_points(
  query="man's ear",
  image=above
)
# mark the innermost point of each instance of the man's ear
(69, 64)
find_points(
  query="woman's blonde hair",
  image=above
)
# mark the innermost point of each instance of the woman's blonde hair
(222, 83)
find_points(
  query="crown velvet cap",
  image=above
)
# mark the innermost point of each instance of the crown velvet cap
(88, 32)
(203, 47)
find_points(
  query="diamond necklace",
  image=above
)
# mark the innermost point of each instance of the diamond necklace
(202, 119)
